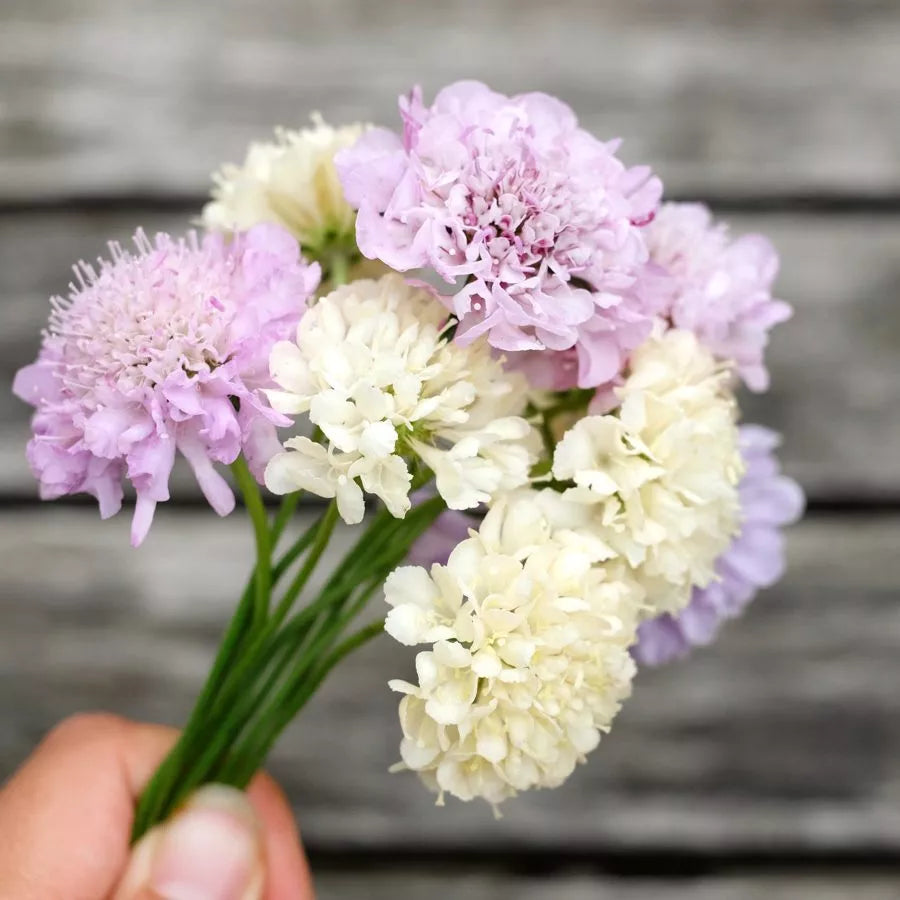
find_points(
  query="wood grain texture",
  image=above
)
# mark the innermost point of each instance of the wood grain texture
(783, 739)
(721, 96)
(784, 736)
(453, 884)
(835, 366)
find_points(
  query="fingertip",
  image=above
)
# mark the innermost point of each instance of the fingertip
(211, 848)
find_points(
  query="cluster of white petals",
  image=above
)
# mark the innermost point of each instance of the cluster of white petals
(374, 368)
(662, 472)
(291, 181)
(529, 663)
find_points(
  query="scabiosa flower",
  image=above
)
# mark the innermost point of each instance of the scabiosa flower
(663, 471)
(529, 663)
(161, 351)
(449, 529)
(536, 223)
(291, 182)
(722, 288)
(755, 559)
(374, 368)
(532, 516)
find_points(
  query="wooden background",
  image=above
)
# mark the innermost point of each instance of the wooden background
(767, 766)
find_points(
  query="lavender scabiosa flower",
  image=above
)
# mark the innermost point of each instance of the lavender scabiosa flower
(754, 560)
(160, 351)
(449, 529)
(722, 288)
(537, 224)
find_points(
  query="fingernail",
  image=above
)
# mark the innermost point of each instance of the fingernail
(210, 850)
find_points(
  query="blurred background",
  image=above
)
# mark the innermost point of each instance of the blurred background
(765, 766)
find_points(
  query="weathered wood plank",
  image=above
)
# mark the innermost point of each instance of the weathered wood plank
(741, 96)
(453, 883)
(836, 371)
(783, 736)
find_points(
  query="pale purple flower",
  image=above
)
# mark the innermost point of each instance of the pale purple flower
(722, 288)
(600, 357)
(536, 224)
(434, 546)
(161, 351)
(754, 560)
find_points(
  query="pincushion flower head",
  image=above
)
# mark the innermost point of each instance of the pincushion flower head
(529, 661)
(552, 436)
(662, 472)
(374, 368)
(291, 182)
(753, 560)
(721, 288)
(161, 351)
(537, 224)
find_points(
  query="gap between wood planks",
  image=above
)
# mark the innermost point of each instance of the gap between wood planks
(662, 864)
(882, 203)
(816, 507)
(826, 503)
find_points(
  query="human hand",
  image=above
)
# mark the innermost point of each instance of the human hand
(66, 815)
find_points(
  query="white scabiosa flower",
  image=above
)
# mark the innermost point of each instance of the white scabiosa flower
(662, 471)
(291, 181)
(376, 372)
(529, 663)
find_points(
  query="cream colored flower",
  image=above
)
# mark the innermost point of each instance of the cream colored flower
(663, 471)
(310, 467)
(530, 661)
(291, 181)
(526, 519)
(373, 368)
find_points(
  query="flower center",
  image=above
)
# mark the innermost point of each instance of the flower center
(138, 321)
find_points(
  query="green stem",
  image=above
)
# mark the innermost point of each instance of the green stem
(253, 604)
(149, 806)
(230, 671)
(263, 676)
(338, 270)
(257, 510)
(357, 639)
(215, 749)
(218, 759)
(285, 512)
(332, 620)
(247, 762)
(323, 535)
(243, 672)
(294, 552)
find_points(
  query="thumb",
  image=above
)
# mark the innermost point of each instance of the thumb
(211, 849)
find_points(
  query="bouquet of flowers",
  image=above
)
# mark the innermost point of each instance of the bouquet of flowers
(491, 333)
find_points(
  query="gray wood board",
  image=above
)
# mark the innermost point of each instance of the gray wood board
(784, 736)
(737, 97)
(835, 366)
(455, 884)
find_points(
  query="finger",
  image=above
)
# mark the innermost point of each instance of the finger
(211, 849)
(66, 815)
(289, 877)
(218, 846)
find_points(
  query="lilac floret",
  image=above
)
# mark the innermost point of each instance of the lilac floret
(755, 559)
(160, 352)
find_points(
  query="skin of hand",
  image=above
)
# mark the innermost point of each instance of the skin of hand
(66, 815)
